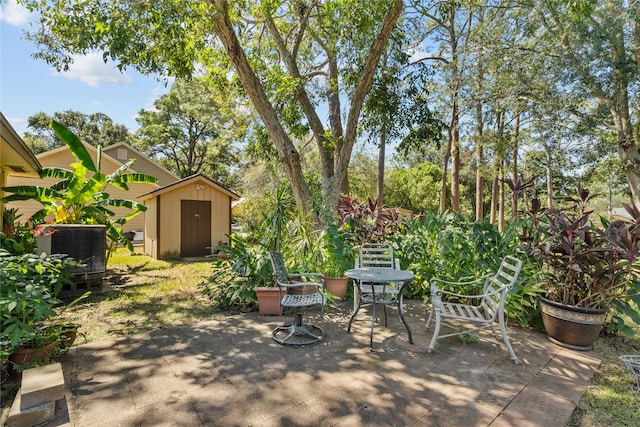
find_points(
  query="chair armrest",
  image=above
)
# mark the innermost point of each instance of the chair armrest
(437, 291)
(435, 279)
(299, 275)
(441, 292)
(319, 283)
(301, 284)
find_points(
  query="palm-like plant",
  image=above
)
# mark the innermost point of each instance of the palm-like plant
(80, 196)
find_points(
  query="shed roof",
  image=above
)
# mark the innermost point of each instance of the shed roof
(186, 181)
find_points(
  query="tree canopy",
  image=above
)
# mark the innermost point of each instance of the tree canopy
(193, 129)
(508, 78)
(96, 129)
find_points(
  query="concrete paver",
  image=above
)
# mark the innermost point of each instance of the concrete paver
(228, 372)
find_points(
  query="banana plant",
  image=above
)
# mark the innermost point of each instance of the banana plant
(80, 196)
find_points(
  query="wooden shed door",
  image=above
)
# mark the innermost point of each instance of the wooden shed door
(195, 227)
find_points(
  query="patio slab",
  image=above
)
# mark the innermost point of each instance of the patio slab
(228, 372)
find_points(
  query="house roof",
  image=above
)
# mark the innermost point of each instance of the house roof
(15, 155)
(139, 153)
(88, 146)
(92, 149)
(186, 181)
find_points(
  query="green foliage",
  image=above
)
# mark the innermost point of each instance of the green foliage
(338, 250)
(80, 196)
(449, 247)
(192, 130)
(96, 129)
(416, 189)
(584, 264)
(16, 237)
(233, 279)
(28, 295)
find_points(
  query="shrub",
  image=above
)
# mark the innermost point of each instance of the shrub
(447, 246)
(28, 295)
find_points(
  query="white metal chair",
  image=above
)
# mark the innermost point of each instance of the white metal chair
(297, 333)
(489, 306)
(376, 255)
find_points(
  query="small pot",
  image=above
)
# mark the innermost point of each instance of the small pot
(337, 285)
(31, 356)
(268, 301)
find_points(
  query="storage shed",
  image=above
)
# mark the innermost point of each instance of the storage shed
(187, 218)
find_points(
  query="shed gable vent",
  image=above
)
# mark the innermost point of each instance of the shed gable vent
(122, 154)
(17, 169)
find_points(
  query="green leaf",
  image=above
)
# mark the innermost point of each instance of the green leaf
(75, 145)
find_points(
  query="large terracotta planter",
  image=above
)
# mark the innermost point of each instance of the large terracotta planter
(268, 301)
(337, 285)
(573, 327)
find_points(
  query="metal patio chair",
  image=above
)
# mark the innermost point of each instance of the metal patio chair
(376, 255)
(488, 307)
(297, 333)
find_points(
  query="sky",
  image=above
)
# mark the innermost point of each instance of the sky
(29, 86)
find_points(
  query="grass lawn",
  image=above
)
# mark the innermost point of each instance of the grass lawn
(150, 295)
(146, 295)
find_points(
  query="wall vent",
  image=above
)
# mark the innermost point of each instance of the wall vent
(122, 154)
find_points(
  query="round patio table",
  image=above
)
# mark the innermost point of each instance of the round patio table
(381, 276)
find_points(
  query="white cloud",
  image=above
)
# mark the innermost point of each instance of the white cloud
(14, 14)
(92, 70)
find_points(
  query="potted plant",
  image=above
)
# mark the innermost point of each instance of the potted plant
(338, 257)
(28, 298)
(81, 197)
(586, 269)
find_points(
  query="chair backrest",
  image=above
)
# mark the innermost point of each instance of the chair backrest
(376, 255)
(279, 270)
(502, 281)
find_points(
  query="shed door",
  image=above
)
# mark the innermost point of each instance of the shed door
(195, 227)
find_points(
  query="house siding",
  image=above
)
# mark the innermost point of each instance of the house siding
(142, 165)
(63, 159)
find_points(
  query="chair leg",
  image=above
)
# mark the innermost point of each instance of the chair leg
(402, 319)
(426, 326)
(436, 331)
(503, 329)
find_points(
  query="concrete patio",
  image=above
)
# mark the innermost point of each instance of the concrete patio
(228, 372)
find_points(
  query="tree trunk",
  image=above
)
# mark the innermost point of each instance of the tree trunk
(381, 154)
(547, 157)
(357, 100)
(514, 164)
(493, 213)
(501, 195)
(334, 163)
(627, 143)
(443, 181)
(287, 152)
(479, 162)
(454, 135)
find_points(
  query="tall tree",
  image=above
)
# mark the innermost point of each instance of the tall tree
(449, 24)
(193, 130)
(289, 57)
(597, 48)
(96, 129)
